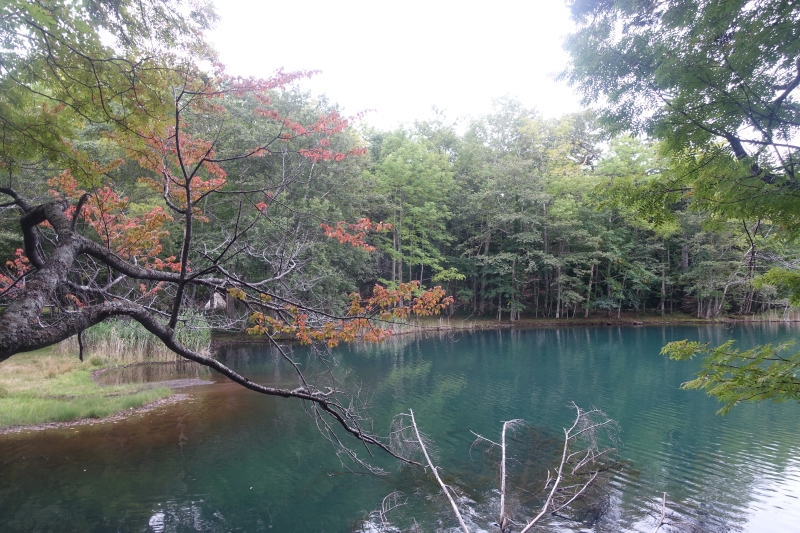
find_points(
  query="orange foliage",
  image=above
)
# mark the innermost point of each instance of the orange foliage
(387, 304)
(161, 157)
(105, 212)
(360, 228)
(17, 267)
(74, 299)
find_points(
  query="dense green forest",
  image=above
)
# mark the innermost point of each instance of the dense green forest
(517, 216)
(522, 216)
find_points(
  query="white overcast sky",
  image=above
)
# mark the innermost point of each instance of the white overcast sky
(401, 58)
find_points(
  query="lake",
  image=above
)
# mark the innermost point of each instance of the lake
(227, 459)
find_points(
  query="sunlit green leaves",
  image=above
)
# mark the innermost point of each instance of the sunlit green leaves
(714, 80)
(415, 180)
(787, 280)
(762, 373)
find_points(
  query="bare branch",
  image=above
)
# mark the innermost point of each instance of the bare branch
(506, 425)
(663, 514)
(436, 473)
(559, 497)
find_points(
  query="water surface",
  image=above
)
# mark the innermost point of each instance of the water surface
(230, 460)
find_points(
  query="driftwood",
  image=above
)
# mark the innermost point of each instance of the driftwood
(582, 461)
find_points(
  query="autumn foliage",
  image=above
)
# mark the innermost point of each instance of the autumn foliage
(105, 211)
(186, 167)
(364, 314)
(13, 279)
(342, 232)
(385, 306)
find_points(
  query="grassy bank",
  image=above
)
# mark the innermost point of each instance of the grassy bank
(46, 386)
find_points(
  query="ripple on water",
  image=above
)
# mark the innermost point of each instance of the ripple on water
(232, 460)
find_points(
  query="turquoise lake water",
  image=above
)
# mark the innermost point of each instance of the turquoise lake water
(227, 459)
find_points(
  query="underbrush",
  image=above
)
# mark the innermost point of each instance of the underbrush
(122, 341)
(46, 386)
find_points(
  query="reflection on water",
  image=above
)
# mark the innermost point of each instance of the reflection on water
(229, 459)
(150, 372)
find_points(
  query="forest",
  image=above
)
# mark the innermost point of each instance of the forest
(515, 215)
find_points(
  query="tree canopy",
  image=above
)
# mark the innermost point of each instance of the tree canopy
(714, 79)
(67, 65)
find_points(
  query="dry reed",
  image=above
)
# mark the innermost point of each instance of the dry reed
(123, 342)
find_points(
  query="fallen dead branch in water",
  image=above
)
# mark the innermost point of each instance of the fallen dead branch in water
(574, 482)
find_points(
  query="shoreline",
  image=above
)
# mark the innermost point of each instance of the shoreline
(173, 398)
(439, 325)
(118, 417)
(456, 324)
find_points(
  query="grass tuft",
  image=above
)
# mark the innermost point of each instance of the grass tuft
(123, 341)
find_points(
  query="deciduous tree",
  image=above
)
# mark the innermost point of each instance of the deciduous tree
(161, 117)
(715, 79)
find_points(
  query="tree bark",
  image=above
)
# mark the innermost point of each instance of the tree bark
(589, 292)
